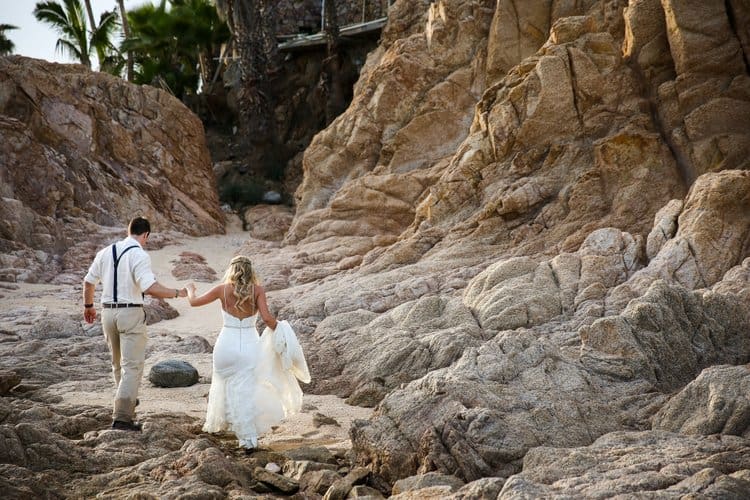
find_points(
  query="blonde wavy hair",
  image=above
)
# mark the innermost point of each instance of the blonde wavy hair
(241, 275)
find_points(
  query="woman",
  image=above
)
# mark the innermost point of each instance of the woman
(248, 394)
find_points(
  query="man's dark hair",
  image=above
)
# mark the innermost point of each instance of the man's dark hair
(139, 225)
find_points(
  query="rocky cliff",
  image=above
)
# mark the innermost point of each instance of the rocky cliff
(541, 213)
(82, 151)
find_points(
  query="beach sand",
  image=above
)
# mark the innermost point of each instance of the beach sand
(297, 430)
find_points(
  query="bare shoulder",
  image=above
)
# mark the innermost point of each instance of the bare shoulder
(218, 290)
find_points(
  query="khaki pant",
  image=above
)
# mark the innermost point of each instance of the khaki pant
(125, 331)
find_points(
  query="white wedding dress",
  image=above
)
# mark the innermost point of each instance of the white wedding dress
(253, 388)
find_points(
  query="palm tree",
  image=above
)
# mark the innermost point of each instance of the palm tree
(110, 59)
(103, 48)
(200, 32)
(126, 32)
(6, 46)
(253, 27)
(174, 48)
(69, 21)
(89, 12)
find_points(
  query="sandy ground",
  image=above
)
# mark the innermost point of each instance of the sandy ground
(297, 430)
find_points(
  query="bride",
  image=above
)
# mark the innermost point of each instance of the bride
(252, 389)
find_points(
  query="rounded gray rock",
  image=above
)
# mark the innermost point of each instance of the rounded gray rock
(173, 373)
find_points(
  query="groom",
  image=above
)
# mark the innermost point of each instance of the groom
(124, 269)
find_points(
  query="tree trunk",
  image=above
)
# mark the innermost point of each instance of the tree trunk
(126, 31)
(90, 12)
(255, 32)
(92, 26)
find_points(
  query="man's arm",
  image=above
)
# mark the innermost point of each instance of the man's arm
(144, 276)
(89, 311)
(159, 290)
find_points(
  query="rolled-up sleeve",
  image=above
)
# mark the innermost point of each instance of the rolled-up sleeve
(142, 273)
(94, 274)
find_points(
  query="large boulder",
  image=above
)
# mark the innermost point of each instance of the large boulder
(84, 149)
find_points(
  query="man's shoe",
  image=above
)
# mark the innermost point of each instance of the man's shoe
(121, 425)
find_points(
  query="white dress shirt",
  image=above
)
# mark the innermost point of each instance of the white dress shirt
(134, 273)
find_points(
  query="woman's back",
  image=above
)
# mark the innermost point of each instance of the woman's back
(230, 301)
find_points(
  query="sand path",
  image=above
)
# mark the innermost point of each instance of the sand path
(205, 321)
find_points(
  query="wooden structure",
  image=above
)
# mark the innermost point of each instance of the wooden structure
(300, 41)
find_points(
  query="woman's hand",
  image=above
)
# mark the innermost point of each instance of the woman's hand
(190, 290)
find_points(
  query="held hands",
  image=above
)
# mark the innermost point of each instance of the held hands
(189, 290)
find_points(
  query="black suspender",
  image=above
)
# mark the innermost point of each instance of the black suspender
(116, 260)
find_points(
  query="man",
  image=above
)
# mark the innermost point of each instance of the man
(124, 269)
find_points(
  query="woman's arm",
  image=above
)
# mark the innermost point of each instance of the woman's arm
(206, 298)
(268, 318)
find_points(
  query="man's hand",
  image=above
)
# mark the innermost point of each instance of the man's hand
(183, 292)
(89, 314)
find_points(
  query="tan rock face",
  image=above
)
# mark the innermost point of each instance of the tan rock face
(587, 203)
(80, 147)
(526, 124)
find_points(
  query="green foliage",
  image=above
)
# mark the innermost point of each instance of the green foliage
(101, 40)
(6, 46)
(76, 40)
(169, 45)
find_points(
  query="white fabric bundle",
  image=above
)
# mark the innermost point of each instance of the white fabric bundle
(286, 345)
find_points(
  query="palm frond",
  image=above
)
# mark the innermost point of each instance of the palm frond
(68, 48)
(101, 36)
(53, 14)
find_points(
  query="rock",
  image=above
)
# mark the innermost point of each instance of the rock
(635, 463)
(192, 266)
(319, 420)
(485, 489)
(716, 402)
(365, 492)
(273, 467)
(668, 336)
(428, 480)
(276, 481)
(272, 197)
(736, 282)
(157, 309)
(341, 488)
(665, 227)
(267, 222)
(296, 469)
(318, 454)
(716, 209)
(317, 482)
(84, 147)
(171, 345)
(173, 373)
(8, 380)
